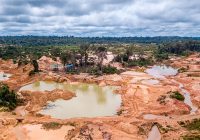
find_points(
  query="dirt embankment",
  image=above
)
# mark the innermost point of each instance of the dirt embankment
(138, 99)
(35, 100)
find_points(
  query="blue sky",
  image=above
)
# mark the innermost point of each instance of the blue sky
(100, 17)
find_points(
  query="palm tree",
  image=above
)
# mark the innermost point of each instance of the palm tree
(35, 65)
(65, 57)
(84, 48)
(81, 57)
(129, 52)
(101, 53)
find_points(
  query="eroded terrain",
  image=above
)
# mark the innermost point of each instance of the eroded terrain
(147, 109)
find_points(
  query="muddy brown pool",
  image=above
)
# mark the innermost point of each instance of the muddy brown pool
(91, 100)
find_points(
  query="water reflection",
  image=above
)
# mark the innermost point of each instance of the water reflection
(91, 100)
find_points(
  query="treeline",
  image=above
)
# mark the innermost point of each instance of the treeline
(180, 47)
(70, 40)
(18, 52)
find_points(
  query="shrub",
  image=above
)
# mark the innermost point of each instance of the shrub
(193, 125)
(8, 98)
(35, 65)
(94, 71)
(181, 70)
(140, 62)
(51, 125)
(161, 56)
(186, 53)
(109, 70)
(161, 99)
(177, 95)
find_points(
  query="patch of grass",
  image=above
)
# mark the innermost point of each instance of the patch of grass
(51, 125)
(181, 70)
(71, 123)
(161, 99)
(165, 129)
(141, 130)
(109, 70)
(177, 95)
(193, 125)
(191, 137)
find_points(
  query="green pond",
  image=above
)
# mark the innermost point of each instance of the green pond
(91, 100)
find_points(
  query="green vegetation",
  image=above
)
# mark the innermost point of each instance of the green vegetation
(161, 99)
(181, 70)
(8, 98)
(51, 125)
(140, 62)
(191, 125)
(160, 56)
(180, 48)
(94, 71)
(177, 95)
(164, 129)
(70, 40)
(136, 56)
(129, 51)
(35, 65)
(191, 137)
(109, 70)
(105, 70)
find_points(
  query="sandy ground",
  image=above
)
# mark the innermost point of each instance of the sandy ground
(138, 99)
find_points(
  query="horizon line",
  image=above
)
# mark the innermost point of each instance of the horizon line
(97, 36)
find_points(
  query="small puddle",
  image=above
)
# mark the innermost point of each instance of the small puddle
(4, 76)
(189, 102)
(36, 132)
(153, 117)
(187, 96)
(161, 71)
(91, 100)
(154, 134)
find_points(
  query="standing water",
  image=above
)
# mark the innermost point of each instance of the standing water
(4, 76)
(154, 134)
(91, 100)
(187, 97)
(161, 71)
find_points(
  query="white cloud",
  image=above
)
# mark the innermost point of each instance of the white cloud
(100, 17)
